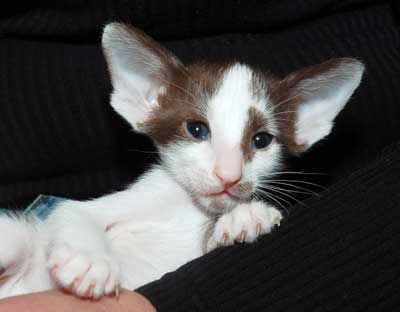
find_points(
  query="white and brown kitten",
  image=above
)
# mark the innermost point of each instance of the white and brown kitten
(220, 129)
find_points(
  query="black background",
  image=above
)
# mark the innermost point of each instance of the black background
(59, 136)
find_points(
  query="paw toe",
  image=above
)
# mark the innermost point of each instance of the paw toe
(87, 276)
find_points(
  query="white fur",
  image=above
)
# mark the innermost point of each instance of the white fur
(149, 233)
(162, 221)
(22, 256)
(198, 167)
(244, 224)
(227, 115)
(228, 109)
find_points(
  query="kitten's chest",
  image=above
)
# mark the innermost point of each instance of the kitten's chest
(147, 249)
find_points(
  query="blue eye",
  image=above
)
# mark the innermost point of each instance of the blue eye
(198, 130)
(261, 140)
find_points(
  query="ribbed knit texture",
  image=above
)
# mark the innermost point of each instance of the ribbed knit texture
(83, 19)
(337, 252)
(59, 136)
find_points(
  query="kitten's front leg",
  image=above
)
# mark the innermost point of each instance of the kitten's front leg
(80, 257)
(244, 224)
(82, 233)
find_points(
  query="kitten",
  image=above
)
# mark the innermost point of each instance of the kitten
(220, 129)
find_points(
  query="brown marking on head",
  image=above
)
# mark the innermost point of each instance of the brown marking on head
(266, 85)
(168, 94)
(256, 122)
(261, 84)
(185, 99)
(285, 111)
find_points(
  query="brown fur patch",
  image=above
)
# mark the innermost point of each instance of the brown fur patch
(186, 99)
(189, 88)
(285, 114)
(256, 122)
(279, 92)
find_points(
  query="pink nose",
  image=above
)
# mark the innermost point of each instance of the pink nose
(228, 180)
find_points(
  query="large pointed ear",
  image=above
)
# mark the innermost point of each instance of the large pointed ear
(316, 95)
(140, 70)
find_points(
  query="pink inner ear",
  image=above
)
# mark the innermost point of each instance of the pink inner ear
(229, 164)
(152, 94)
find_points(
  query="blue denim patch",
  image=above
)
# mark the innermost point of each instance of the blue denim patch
(41, 207)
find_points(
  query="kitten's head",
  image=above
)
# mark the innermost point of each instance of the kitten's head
(221, 128)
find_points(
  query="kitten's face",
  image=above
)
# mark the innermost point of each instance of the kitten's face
(222, 128)
(216, 132)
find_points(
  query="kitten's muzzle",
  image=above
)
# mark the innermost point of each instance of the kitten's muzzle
(237, 191)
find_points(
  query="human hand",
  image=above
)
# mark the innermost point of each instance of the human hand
(57, 301)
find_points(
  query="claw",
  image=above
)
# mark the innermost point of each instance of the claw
(117, 290)
(90, 291)
(78, 280)
(242, 236)
(75, 284)
(258, 229)
(225, 237)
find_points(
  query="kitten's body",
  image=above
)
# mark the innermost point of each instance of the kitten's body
(152, 227)
(220, 129)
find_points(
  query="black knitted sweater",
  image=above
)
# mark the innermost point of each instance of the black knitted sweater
(337, 251)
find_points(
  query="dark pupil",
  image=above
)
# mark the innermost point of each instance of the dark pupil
(261, 140)
(198, 130)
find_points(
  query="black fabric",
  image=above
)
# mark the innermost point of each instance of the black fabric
(59, 136)
(83, 19)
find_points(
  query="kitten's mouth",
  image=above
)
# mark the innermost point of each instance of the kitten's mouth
(238, 193)
(224, 193)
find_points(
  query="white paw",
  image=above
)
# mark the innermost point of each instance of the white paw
(244, 224)
(86, 275)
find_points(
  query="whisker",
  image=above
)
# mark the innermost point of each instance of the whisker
(307, 192)
(264, 191)
(179, 87)
(180, 100)
(291, 197)
(280, 119)
(281, 113)
(286, 100)
(274, 198)
(183, 71)
(294, 172)
(269, 195)
(167, 57)
(140, 151)
(291, 185)
(299, 181)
